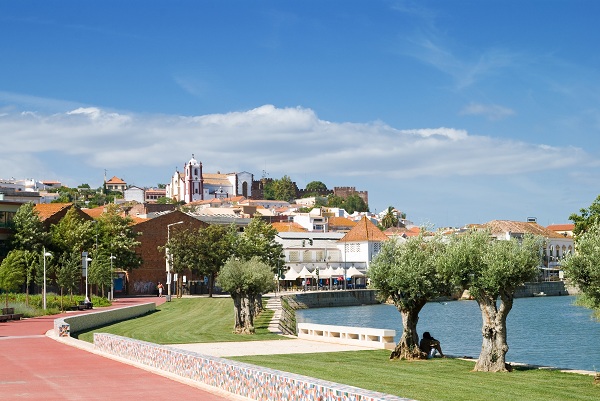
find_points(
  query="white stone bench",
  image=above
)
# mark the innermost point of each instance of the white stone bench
(361, 336)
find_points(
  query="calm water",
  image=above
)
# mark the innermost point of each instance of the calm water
(547, 331)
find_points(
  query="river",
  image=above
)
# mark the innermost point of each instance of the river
(548, 331)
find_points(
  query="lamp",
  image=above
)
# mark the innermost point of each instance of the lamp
(86, 261)
(112, 280)
(44, 290)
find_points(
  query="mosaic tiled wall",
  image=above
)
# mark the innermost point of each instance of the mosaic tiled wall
(63, 327)
(251, 381)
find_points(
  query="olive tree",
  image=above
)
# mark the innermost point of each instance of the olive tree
(492, 270)
(408, 274)
(245, 280)
(258, 240)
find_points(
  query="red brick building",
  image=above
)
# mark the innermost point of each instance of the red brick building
(153, 233)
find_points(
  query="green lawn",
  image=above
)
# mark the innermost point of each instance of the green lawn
(436, 379)
(187, 320)
(192, 320)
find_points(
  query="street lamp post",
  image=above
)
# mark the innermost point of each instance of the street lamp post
(112, 279)
(85, 261)
(44, 289)
(170, 260)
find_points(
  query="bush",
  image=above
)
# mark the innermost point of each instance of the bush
(53, 307)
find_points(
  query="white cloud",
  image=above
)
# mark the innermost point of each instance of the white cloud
(491, 111)
(289, 140)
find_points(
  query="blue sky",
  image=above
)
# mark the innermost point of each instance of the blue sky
(454, 112)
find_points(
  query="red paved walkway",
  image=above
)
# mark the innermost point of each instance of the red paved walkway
(35, 367)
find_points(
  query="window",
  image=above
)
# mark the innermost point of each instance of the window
(306, 256)
(294, 256)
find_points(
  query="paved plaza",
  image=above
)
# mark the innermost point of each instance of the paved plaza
(34, 366)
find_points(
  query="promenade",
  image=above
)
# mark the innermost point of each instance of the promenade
(34, 366)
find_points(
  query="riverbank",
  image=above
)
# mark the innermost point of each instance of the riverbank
(556, 324)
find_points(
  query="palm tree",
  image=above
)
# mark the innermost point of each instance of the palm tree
(389, 219)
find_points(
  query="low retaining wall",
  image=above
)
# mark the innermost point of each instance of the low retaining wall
(550, 288)
(239, 378)
(320, 299)
(63, 327)
(361, 336)
(327, 299)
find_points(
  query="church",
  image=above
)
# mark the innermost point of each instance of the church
(194, 185)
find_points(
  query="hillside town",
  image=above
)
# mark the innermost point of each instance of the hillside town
(324, 247)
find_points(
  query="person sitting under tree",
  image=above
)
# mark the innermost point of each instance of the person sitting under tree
(430, 346)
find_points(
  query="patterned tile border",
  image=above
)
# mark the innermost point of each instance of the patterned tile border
(239, 378)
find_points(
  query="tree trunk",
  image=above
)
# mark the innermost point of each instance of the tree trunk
(237, 310)
(211, 281)
(408, 346)
(258, 304)
(493, 330)
(248, 315)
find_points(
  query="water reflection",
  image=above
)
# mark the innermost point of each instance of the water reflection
(548, 331)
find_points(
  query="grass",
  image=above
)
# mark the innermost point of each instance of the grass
(436, 379)
(32, 305)
(187, 320)
(192, 320)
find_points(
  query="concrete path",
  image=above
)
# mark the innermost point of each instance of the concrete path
(273, 347)
(35, 367)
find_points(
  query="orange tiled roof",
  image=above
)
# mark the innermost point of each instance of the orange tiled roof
(138, 220)
(47, 210)
(340, 222)
(561, 227)
(115, 180)
(503, 226)
(406, 232)
(288, 227)
(364, 230)
(94, 213)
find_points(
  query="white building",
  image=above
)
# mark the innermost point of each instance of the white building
(134, 193)
(193, 184)
(318, 251)
(312, 221)
(556, 247)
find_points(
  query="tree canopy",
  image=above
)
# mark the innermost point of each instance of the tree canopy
(352, 203)
(583, 267)
(315, 187)
(258, 239)
(29, 232)
(284, 189)
(13, 271)
(117, 237)
(587, 218)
